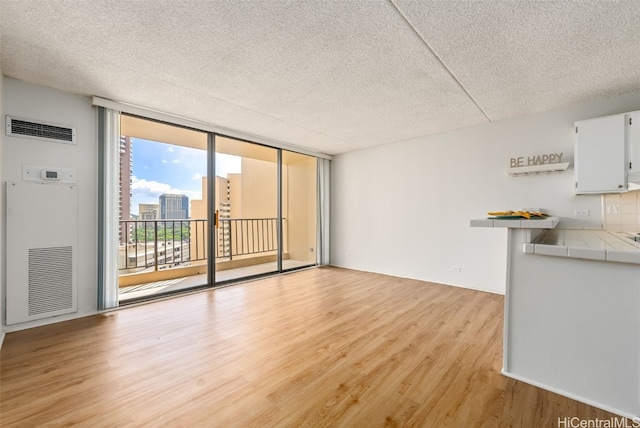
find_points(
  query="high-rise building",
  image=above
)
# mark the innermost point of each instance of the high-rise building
(124, 196)
(126, 171)
(173, 207)
(148, 211)
(199, 211)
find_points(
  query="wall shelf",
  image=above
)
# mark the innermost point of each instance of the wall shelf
(537, 169)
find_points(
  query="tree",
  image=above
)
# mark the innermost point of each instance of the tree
(167, 230)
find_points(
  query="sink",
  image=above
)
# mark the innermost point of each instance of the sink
(633, 237)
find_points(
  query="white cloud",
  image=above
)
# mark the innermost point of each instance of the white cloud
(170, 149)
(164, 161)
(175, 161)
(197, 176)
(148, 187)
(145, 189)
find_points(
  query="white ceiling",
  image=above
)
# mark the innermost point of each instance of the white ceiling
(329, 75)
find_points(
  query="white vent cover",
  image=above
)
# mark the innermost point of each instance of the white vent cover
(39, 130)
(50, 279)
(41, 250)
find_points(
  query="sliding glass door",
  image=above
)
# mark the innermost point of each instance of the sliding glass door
(199, 209)
(266, 209)
(247, 226)
(299, 210)
(162, 226)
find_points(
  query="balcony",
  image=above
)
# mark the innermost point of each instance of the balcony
(167, 255)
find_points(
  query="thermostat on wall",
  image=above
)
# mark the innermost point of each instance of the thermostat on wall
(50, 174)
(47, 173)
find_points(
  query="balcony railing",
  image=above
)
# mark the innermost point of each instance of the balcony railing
(245, 236)
(159, 244)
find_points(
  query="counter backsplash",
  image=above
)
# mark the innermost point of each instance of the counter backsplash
(622, 212)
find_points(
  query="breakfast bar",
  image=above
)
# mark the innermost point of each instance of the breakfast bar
(572, 324)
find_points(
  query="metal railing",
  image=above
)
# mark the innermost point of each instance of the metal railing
(246, 236)
(158, 244)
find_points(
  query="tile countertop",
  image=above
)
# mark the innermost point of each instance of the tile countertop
(591, 244)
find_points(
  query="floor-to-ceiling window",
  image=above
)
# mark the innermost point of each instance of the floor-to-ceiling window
(266, 209)
(162, 227)
(198, 209)
(299, 209)
(247, 229)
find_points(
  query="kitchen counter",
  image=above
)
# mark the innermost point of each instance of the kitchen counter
(585, 244)
(572, 324)
(542, 238)
(536, 223)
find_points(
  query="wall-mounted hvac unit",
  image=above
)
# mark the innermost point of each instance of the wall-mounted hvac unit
(39, 130)
(41, 250)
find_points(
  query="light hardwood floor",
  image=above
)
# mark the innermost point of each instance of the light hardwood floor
(320, 347)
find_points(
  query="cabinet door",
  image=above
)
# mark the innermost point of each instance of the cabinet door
(600, 155)
(633, 141)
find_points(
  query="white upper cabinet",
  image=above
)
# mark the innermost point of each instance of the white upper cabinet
(633, 141)
(600, 154)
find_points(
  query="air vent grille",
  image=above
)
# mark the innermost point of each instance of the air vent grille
(50, 279)
(40, 130)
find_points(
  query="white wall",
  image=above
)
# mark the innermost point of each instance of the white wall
(403, 209)
(35, 102)
(2, 302)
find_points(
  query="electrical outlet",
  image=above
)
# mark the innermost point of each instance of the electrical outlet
(581, 213)
(456, 269)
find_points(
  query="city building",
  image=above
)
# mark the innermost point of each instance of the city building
(199, 212)
(174, 207)
(148, 211)
(124, 193)
(152, 256)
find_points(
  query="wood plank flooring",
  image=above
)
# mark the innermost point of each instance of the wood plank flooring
(320, 347)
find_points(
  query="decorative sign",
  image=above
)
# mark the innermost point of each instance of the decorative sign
(547, 159)
(534, 165)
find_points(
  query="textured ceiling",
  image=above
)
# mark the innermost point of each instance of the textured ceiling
(330, 76)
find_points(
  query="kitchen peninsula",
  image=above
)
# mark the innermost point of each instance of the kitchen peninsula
(572, 324)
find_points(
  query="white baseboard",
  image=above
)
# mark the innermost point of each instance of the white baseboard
(573, 396)
(46, 321)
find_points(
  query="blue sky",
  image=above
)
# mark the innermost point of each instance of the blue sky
(166, 168)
